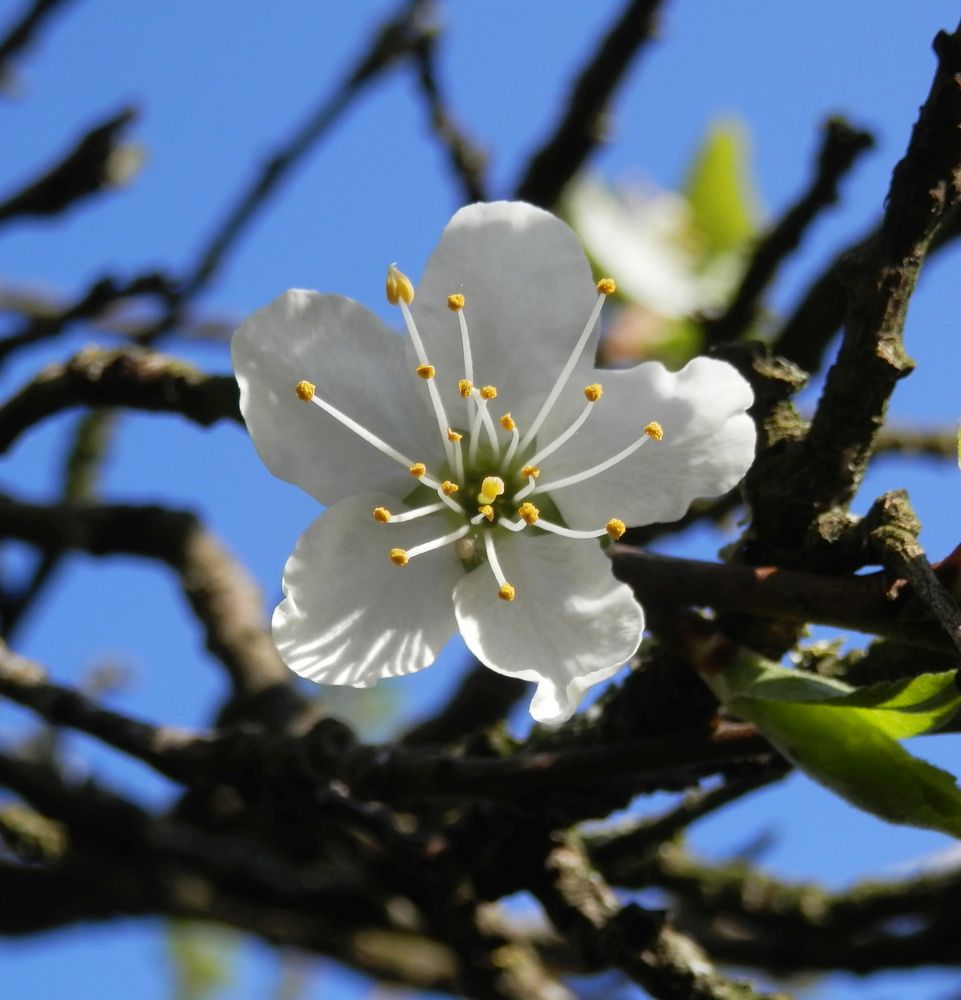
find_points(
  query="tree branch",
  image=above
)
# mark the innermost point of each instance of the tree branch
(129, 377)
(92, 165)
(841, 146)
(581, 127)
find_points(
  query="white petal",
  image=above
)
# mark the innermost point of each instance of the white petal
(570, 625)
(641, 237)
(708, 444)
(528, 290)
(357, 364)
(350, 616)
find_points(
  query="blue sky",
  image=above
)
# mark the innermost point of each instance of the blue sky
(219, 85)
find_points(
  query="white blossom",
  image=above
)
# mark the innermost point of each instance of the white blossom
(470, 468)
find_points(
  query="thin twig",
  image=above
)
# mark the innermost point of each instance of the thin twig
(841, 145)
(23, 33)
(89, 167)
(582, 125)
(398, 36)
(466, 160)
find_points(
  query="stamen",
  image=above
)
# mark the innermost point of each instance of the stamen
(401, 557)
(483, 511)
(448, 487)
(528, 513)
(565, 374)
(532, 473)
(515, 437)
(465, 387)
(419, 471)
(652, 431)
(426, 371)
(488, 392)
(419, 550)
(615, 528)
(448, 501)
(452, 435)
(381, 515)
(306, 391)
(607, 286)
(408, 515)
(455, 303)
(399, 287)
(482, 416)
(506, 591)
(423, 364)
(592, 393)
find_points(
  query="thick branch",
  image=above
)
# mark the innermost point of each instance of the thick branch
(664, 962)
(137, 379)
(861, 603)
(222, 595)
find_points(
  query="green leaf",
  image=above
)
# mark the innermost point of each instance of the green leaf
(719, 188)
(846, 738)
(202, 959)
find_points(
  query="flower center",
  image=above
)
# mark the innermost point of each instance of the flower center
(491, 468)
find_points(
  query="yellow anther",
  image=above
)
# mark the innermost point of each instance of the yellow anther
(531, 472)
(426, 371)
(488, 392)
(305, 390)
(491, 488)
(654, 431)
(381, 515)
(615, 528)
(507, 422)
(593, 392)
(399, 557)
(452, 435)
(465, 387)
(418, 469)
(607, 286)
(455, 302)
(399, 287)
(487, 511)
(528, 512)
(506, 592)
(448, 487)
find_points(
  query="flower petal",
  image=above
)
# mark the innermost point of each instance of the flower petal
(528, 291)
(357, 364)
(708, 443)
(351, 617)
(570, 625)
